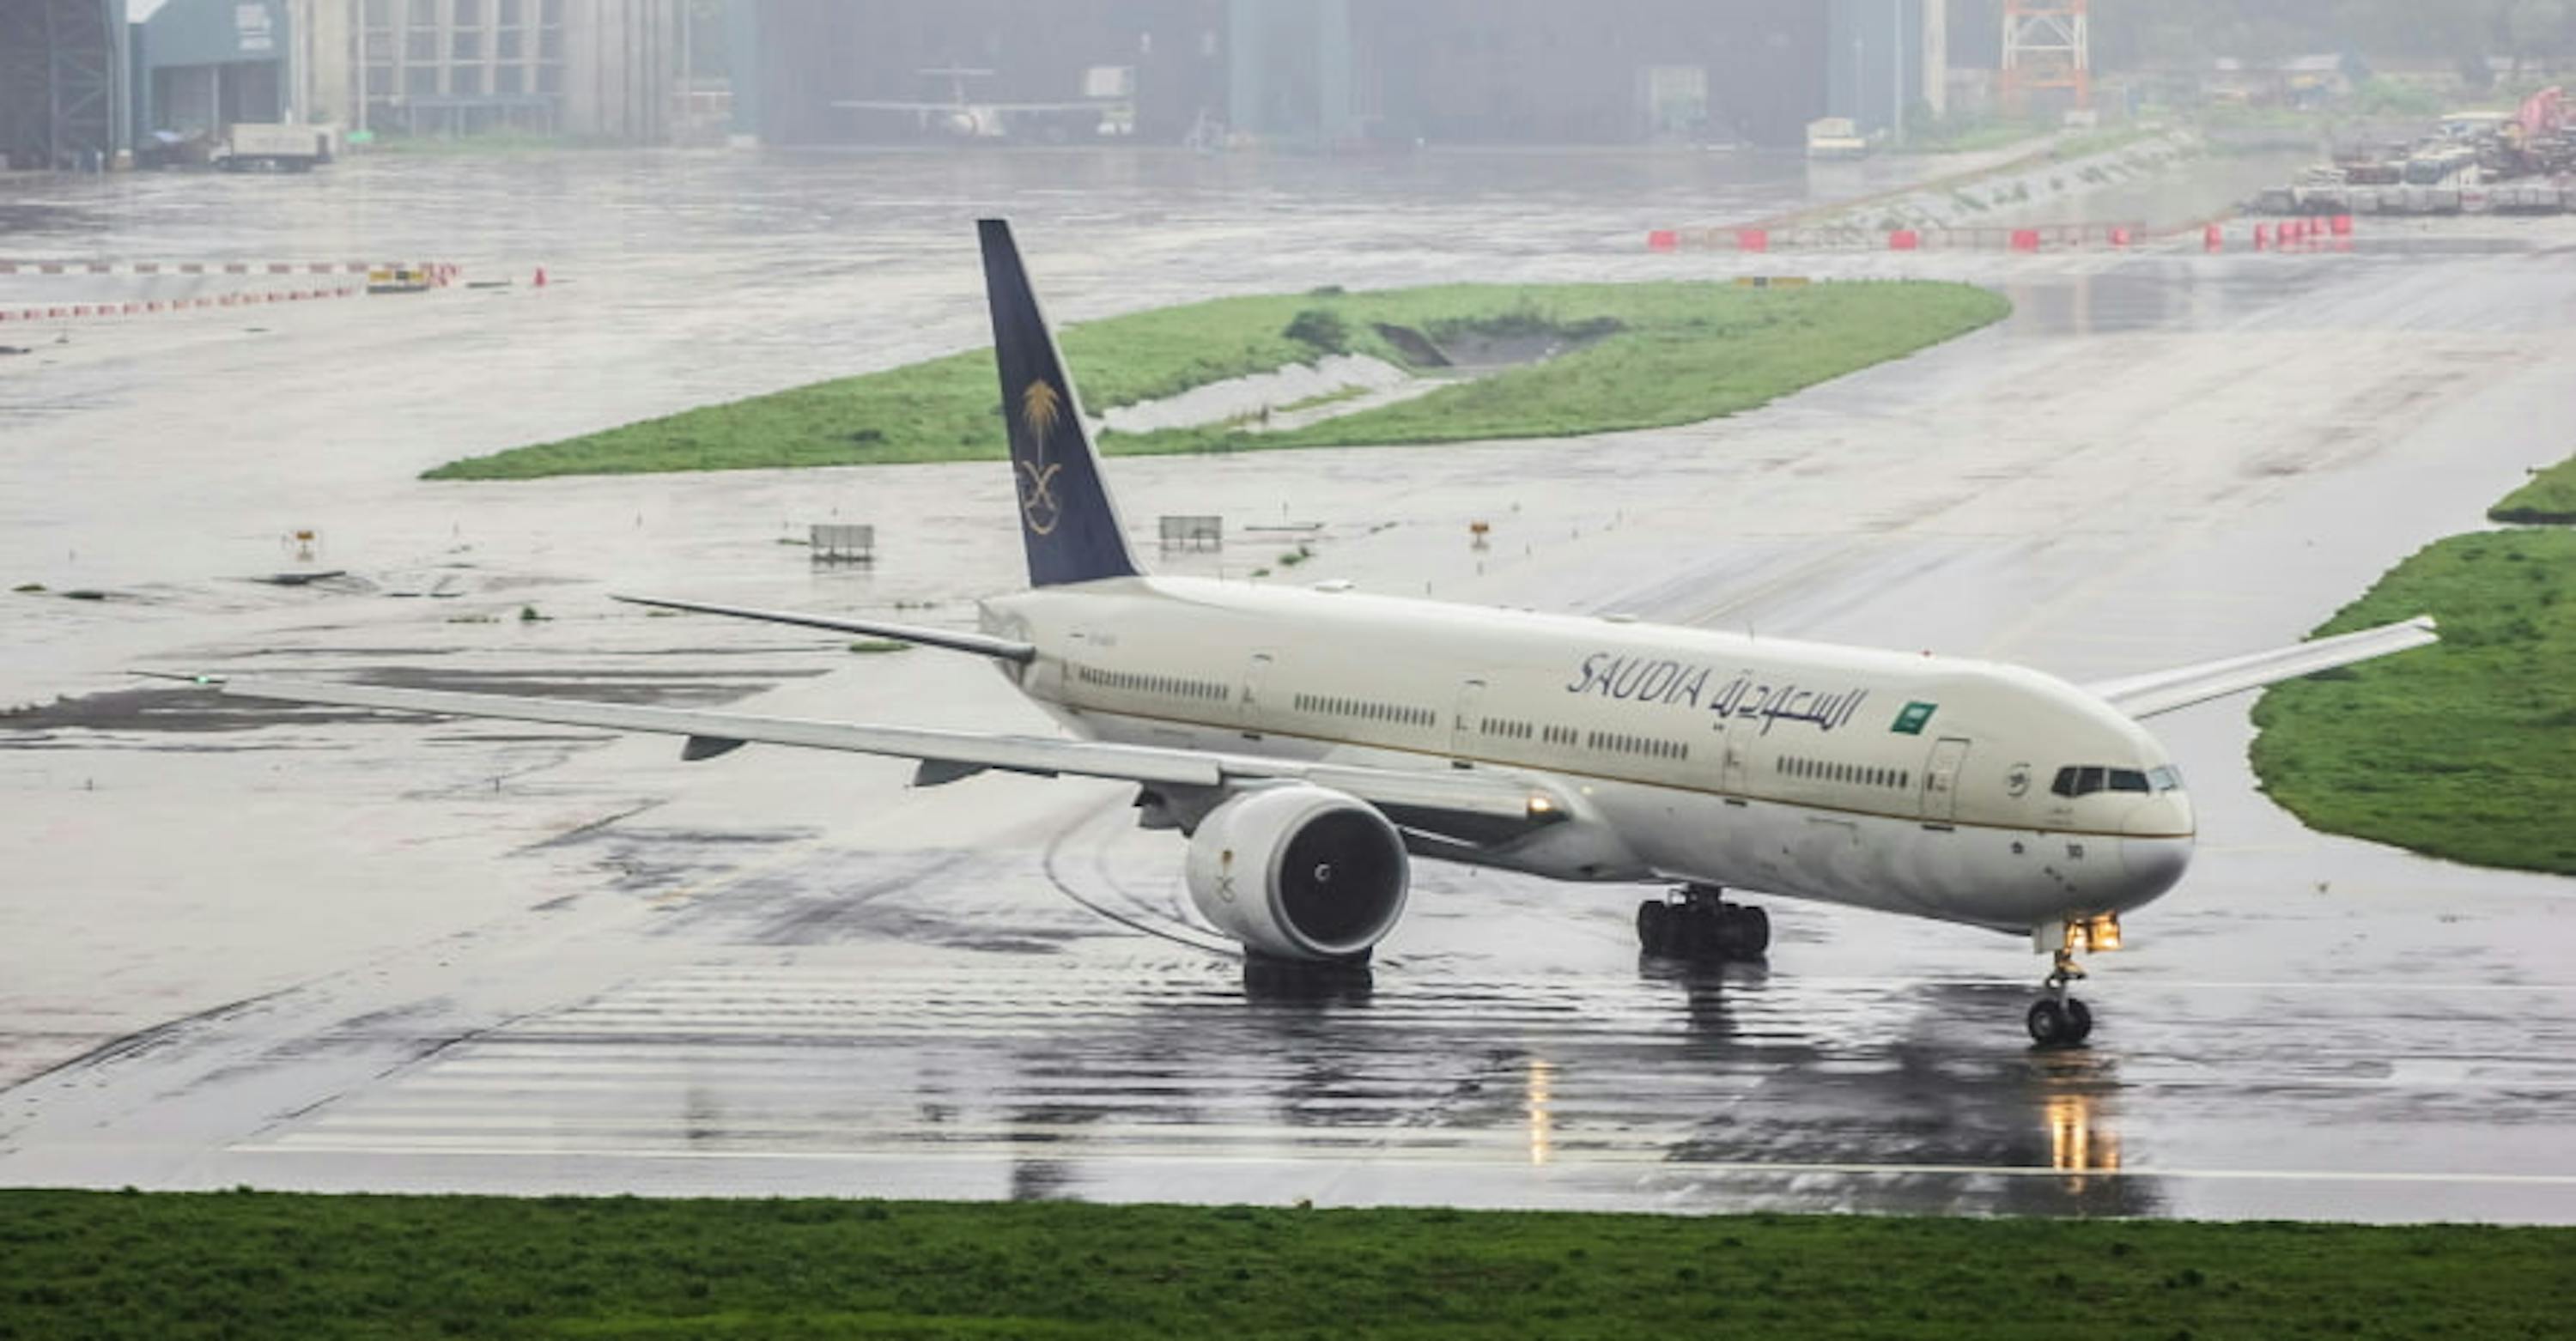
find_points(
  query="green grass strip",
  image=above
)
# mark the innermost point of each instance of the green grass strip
(1683, 352)
(109, 1265)
(2466, 749)
(2549, 500)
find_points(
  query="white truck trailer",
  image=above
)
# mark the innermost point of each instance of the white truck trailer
(292, 147)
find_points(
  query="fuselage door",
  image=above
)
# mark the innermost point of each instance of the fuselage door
(1941, 780)
(1255, 675)
(1731, 746)
(1462, 731)
(1054, 679)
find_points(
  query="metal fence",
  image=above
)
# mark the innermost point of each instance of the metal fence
(1191, 532)
(838, 542)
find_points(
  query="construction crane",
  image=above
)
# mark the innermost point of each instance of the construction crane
(2047, 46)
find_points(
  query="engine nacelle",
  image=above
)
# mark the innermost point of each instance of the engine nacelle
(1299, 872)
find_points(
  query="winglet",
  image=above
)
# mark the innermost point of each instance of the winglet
(1067, 520)
(2163, 691)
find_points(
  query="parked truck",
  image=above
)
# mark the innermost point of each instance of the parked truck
(249, 146)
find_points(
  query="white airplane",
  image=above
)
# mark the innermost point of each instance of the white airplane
(968, 119)
(1308, 742)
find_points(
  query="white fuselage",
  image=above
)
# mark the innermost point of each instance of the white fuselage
(1913, 784)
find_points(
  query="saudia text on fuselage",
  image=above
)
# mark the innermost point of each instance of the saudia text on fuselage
(1748, 696)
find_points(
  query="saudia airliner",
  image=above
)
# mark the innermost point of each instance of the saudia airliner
(1309, 744)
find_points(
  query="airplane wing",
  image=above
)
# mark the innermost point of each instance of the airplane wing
(1097, 105)
(946, 756)
(1002, 649)
(2163, 691)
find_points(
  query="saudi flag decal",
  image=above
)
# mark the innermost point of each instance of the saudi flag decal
(1911, 721)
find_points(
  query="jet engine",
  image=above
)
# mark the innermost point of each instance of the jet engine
(1299, 872)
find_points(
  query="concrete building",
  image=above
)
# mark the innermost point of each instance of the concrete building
(1349, 72)
(594, 69)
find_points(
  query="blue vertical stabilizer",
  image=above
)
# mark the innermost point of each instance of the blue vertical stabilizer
(1066, 518)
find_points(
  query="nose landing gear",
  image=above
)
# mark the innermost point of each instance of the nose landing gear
(1696, 922)
(2059, 1020)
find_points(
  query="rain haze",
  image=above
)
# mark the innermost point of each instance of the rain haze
(2288, 302)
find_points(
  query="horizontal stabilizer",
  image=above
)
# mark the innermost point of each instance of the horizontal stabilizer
(2166, 690)
(1001, 648)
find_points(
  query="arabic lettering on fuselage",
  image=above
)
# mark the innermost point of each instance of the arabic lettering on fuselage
(1748, 696)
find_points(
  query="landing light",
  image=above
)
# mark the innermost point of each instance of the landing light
(1540, 805)
(2093, 933)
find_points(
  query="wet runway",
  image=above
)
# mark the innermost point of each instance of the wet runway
(312, 952)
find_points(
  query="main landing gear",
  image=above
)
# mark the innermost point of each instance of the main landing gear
(2058, 1020)
(1308, 981)
(1696, 922)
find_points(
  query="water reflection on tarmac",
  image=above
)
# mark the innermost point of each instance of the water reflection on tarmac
(348, 954)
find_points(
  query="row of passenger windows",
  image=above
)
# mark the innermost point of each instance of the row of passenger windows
(1173, 685)
(2086, 780)
(1610, 741)
(1858, 775)
(1645, 745)
(1366, 711)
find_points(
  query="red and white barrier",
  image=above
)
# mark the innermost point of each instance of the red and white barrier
(2333, 231)
(87, 311)
(2051, 238)
(207, 267)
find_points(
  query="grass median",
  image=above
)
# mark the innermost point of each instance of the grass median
(2459, 750)
(2549, 500)
(1641, 356)
(103, 1265)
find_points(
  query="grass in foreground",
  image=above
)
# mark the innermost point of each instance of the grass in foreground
(2460, 750)
(255, 1264)
(1680, 353)
(2549, 500)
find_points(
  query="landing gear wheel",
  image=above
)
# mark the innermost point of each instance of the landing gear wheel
(1699, 924)
(1751, 928)
(2049, 1027)
(1308, 981)
(2059, 1023)
(1655, 927)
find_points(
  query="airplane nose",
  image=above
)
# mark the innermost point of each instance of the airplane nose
(2165, 815)
(2152, 866)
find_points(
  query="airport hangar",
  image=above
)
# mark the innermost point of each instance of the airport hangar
(1359, 73)
(62, 83)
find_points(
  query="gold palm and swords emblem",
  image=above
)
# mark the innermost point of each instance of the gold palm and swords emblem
(1040, 409)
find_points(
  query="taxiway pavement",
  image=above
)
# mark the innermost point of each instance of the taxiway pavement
(301, 950)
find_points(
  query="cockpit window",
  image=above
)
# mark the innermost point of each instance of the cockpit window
(2084, 780)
